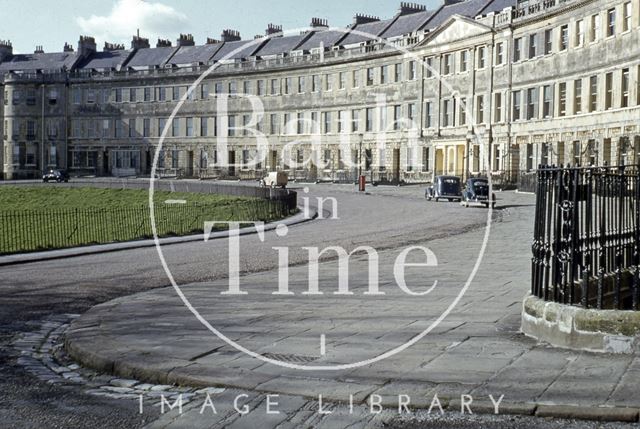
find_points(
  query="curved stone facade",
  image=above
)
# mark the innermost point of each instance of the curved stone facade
(474, 87)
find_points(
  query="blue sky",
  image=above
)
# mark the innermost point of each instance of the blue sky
(28, 23)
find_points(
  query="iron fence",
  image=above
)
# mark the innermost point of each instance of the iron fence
(26, 231)
(586, 246)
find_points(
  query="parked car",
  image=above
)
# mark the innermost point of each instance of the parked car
(476, 191)
(56, 176)
(448, 187)
(275, 179)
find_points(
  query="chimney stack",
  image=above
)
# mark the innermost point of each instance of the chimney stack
(212, 41)
(163, 43)
(409, 8)
(318, 22)
(273, 29)
(364, 19)
(6, 49)
(139, 42)
(185, 40)
(86, 46)
(230, 35)
(39, 50)
(108, 47)
(67, 47)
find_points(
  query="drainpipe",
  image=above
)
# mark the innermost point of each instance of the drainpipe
(491, 85)
(42, 156)
(508, 102)
(471, 103)
(66, 122)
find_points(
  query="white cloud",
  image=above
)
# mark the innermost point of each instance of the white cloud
(127, 16)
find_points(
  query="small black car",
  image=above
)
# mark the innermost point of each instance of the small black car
(55, 175)
(476, 191)
(445, 187)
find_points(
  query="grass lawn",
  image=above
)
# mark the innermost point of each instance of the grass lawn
(55, 197)
(49, 217)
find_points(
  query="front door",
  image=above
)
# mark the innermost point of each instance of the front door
(106, 167)
(189, 164)
(396, 165)
(273, 162)
(232, 163)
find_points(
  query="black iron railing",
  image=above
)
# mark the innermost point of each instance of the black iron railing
(586, 247)
(28, 231)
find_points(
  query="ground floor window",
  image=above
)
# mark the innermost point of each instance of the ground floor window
(382, 158)
(426, 158)
(53, 155)
(125, 159)
(15, 160)
(83, 159)
(327, 159)
(204, 159)
(161, 159)
(245, 159)
(409, 159)
(31, 155)
(175, 159)
(497, 158)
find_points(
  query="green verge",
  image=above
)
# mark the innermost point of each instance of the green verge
(35, 218)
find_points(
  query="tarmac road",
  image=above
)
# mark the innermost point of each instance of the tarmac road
(388, 218)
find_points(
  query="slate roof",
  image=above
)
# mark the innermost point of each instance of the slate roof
(328, 38)
(157, 57)
(499, 5)
(372, 28)
(469, 8)
(406, 24)
(280, 45)
(246, 48)
(105, 60)
(154, 57)
(34, 62)
(195, 54)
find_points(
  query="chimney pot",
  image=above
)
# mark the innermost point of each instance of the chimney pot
(185, 40)
(163, 43)
(230, 35)
(364, 19)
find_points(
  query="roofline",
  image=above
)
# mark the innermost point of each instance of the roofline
(452, 18)
(435, 13)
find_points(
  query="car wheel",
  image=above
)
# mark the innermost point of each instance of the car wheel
(58, 180)
(437, 199)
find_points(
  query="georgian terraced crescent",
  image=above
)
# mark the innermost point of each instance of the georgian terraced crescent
(543, 82)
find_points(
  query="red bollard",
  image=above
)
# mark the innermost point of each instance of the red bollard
(361, 183)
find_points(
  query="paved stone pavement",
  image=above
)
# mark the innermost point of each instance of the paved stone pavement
(476, 350)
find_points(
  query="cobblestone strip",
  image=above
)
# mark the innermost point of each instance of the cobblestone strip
(41, 353)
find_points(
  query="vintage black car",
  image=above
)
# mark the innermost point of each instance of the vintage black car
(445, 187)
(476, 191)
(55, 176)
